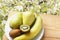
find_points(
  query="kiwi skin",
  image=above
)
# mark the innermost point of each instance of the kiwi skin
(14, 33)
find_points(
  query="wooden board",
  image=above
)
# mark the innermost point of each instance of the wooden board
(51, 25)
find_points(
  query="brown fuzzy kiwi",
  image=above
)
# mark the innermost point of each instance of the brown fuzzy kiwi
(14, 33)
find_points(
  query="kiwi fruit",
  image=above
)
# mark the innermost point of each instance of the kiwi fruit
(14, 33)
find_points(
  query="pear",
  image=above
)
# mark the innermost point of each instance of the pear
(16, 20)
(28, 18)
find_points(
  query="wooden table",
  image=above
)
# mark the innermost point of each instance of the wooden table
(51, 25)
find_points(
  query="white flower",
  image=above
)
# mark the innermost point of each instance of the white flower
(19, 8)
(0, 4)
(4, 22)
(59, 3)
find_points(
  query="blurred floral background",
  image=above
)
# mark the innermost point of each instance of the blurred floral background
(51, 7)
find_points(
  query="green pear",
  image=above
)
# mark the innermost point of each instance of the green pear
(28, 18)
(16, 20)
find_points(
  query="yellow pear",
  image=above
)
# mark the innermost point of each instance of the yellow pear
(28, 18)
(16, 20)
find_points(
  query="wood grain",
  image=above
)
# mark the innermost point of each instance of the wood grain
(51, 25)
(47, 38)
(4, 37)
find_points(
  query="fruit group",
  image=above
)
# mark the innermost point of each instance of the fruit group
(16, 20)
(28, 23)
(33, 31)
(14, 33)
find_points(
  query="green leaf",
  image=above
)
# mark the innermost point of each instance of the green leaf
(4, 9)
(1, 34)
(44, 9)
(1, 18)
(43, 5)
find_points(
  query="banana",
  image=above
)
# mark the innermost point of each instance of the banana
(28, 18)
(33, 31)
(16, 20)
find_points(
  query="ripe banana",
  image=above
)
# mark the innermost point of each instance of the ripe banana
(33, 31)
(16, 20)
(28, 18)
